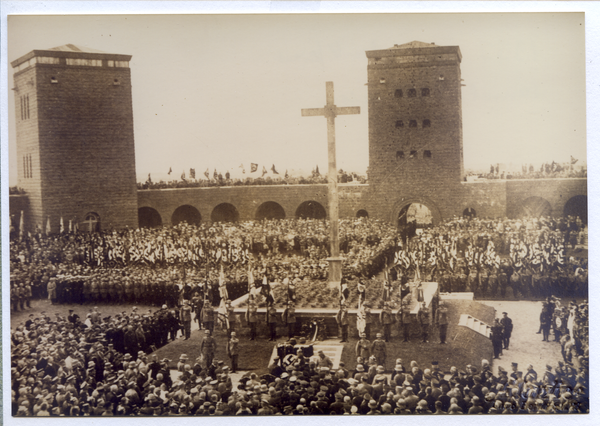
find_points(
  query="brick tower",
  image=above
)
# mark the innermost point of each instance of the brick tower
(415, 128)
(75, 146)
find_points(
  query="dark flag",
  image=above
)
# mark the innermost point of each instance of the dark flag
(207, 174)
(243, 169)
(574, 160)
(264, 172)
(149, 178)
(192, 173)
(273, 170)
(286, 174)
(183, 175)
(317, 171)
(215, 174)
(253, 167)
(170, 171)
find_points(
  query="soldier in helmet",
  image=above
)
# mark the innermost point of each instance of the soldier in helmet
(343, 321)
(289, 318)
(386, 317)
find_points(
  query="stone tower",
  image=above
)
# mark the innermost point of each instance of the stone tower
(75, 146)
(415, 127)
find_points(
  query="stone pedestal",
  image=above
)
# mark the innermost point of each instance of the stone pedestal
(335, 272)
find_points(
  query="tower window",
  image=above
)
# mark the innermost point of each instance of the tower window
(399, 123)
(412, 123)
(426, 123)
(413, 154)
(53, 80)
(425, 91)
(441, 78)
(412, 93)
(427, 154)
(91, 222)
(398, 93)
(399, 155)
(25, 107)
(382, 80)
(116, 82)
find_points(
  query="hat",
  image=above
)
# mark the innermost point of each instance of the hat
(359, 367)
(379, 335)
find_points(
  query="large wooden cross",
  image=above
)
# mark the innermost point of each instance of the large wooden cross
(330, 111)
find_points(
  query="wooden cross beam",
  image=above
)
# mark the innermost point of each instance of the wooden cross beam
(330, 111)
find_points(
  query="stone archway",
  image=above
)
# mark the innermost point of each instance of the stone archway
(311, 210)
(577, 206)
(534, 207)
(148, 218)
(186, 213)
(404, 204)
(225, 212)
(270, 210)
(362, 213)
(469, 213)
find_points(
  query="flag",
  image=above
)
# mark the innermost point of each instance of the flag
(273, 170)
(192, 173)
(70, 226)
(253, 167)
(183, 175)
(207, 174)
(573, 160)
(242, 167)
(62, 225)
(286, 174)
(222, 287)
(215, 174)
(170, 170)
(264, 172)
(344, 292)
(48, 228)
(267, 291)
(250, 277)
(76, 227)
(21, 226)
(149, 178)
(317, 171)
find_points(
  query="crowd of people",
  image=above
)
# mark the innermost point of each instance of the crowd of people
(218, 179)
(487, 256)
(64, 367)
(145, 265)
(484, 256)
(551, 170)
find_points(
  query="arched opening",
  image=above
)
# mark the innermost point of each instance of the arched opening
(577, 206)
(362, 213)
(186, 213)
(225, 212)
(535, 207)
(469, 213)
(270, 210)
(91, 222)
(311, 210)
(148, 218)
(413, 217)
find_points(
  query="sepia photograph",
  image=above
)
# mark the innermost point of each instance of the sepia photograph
(296, 214)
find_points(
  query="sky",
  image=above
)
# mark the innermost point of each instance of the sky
(220, 91)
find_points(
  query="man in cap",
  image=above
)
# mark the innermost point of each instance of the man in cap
(405, 319)
(343, 321)
(441, 320)
(424, 320)
(363, 347)
(252, 317)
(208, 348)
(289, 318)
(379, 350)
(272, 320)
(386, 318)
(507, 326)
(324, 361)
(185, 315)
(496, 338)
(233, 351)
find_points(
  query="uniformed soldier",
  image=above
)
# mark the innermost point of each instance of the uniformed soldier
(208, 348)
(289, 318)
(233, 351)
(252, 318)
(208, 317)
(406, 320)
(424, 321)
(342, 320)
(379, 350)
(386, 318)
(272, 320)
(363, 347)
(441, 320)
(185, 314)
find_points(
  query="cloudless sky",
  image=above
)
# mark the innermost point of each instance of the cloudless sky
(217, 91)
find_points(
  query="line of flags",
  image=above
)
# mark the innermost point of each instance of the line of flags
(253, 169)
